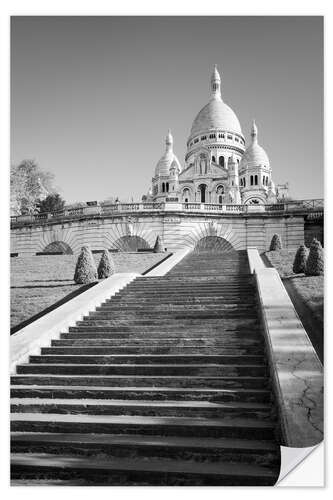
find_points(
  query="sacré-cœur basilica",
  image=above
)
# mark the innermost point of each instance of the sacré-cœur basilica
(219, 167)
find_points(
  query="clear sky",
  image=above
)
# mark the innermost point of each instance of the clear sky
(92, 98)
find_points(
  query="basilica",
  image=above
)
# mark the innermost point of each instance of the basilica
(219, 167)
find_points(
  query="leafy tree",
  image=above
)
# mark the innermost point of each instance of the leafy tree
(28, 183)
(85, 270)
(106, 265)
(158, 247)
(276, 243)
(300, 260)
(315, 262)
(52, 203)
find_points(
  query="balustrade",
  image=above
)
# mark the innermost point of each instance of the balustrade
(308, 206)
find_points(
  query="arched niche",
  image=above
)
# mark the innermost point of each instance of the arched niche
(57, 247)
(213, 244)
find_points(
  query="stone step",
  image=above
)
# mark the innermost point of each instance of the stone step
(171, 322)
(168, 307)
(185, 316)
(83, 333)
(238, 292)
(225, 382)
(138, 472)
(141, 446)
(149, 359)
(157, 350)
(161, 393)
(203, 328)
(162, 426)
(158, 300)
(192, 408)
(144, 369)
(153, 342)
(190, 286)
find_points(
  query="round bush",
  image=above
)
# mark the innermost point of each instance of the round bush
(300, 260)
(158, 247)
(85, 270)
(106, 265)
(276, 243)
(315, 261)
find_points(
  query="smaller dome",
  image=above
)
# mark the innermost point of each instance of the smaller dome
(254, 155)
(163, 166)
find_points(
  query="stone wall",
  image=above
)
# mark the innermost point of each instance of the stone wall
(178, 230)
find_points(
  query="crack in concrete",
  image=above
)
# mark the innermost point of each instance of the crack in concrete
(304, 396)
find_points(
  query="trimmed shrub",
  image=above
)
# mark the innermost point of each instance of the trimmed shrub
(276, 243)
(300, 260)
(158, 247)
(315, 261)
(85, 270)
(106, 266)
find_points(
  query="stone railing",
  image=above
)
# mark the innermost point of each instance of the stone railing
(296, 371)
(302, 206)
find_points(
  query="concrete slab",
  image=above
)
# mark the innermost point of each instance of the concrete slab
(295, 367)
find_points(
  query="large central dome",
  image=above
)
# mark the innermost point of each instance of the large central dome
(216, 114)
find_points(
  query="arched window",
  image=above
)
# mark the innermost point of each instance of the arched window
(203, 192)
(167, 187)
(221, 161)
(256, 180)
(251, 180)
(244, 180)
(163, 187)
(213, 159)
(186, 195)
(220, 199)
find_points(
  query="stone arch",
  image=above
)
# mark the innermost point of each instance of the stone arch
(58, 247)
(213, 228)
(213, 244)
(254, 200)
(131, 243)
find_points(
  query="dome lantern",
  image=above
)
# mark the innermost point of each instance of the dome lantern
(169, 140)
(254, 132)
(215, 83)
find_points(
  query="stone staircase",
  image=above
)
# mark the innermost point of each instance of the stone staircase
(165, 384)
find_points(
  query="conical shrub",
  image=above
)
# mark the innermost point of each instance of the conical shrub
(300, 259)
(276, 243)
(106, 265)
(315, 261)
(158, 247)
(85, 270)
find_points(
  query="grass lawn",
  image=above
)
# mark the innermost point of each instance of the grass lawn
(38, 282)
(306, 292)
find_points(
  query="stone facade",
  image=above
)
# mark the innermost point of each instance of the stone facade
(178, 229)
(218, 167)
